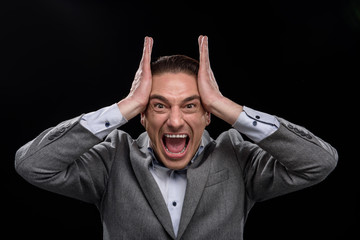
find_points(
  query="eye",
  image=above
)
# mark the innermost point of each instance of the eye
(191, 105)
(159, 105)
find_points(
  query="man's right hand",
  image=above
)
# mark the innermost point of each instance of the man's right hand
(138, 97)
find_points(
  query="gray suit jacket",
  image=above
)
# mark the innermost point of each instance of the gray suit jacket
(223, 184)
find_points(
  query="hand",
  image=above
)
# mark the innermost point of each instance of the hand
(212, 99)
(138, 97)
(208, 87)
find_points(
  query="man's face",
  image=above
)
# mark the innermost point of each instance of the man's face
(175, 119)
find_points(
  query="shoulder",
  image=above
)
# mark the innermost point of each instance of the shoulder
(231, 136)
(232, 141)
(118, 137)
(121, 137)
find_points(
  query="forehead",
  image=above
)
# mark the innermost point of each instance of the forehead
(174, 84)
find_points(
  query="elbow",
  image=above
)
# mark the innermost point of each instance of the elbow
(19, 157)
(325, 166)
(331, 160)
(328, 159)
(331, 163)
(20, 165)
(25, 164)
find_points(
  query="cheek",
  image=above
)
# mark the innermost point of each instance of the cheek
(198, 124)
(152, 123)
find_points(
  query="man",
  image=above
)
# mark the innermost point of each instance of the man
(174, 181)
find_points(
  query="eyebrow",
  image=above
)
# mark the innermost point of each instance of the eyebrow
(164, 99)
(193, 97)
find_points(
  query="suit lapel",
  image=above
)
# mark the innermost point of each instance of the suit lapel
(197, 176)
(141, 159)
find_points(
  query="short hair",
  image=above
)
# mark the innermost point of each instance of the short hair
(175, 64)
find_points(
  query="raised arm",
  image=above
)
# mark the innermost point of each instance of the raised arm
(289, 158)
(71, 158)
(211, 97)
(138, 97)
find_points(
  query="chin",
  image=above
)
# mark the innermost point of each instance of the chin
(176, 164)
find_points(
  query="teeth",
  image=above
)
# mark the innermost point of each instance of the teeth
(176, 135)
(175, 153)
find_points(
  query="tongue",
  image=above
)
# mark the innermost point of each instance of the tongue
(175, 145)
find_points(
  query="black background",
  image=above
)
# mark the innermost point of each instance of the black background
(295, 59)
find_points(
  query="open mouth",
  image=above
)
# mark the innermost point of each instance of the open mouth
(175, 145)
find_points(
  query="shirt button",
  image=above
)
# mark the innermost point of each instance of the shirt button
(254, 123)
(174, 203)
(107, 124)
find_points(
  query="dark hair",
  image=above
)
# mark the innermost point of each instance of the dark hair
(175, 64)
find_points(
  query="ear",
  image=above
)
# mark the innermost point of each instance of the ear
(142, 119)
(208, 118)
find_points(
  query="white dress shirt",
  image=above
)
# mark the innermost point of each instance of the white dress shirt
(172, 183)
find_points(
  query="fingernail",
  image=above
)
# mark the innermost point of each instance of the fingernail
(202, 39)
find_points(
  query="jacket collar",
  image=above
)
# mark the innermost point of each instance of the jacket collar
(197, 174)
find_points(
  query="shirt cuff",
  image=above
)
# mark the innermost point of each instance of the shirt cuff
(103, 121)
(256, 125)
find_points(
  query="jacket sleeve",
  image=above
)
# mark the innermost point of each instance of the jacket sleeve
(67, 159)
(288, 160)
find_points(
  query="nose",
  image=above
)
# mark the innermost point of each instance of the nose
(175, 120)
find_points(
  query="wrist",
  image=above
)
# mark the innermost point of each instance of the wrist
(130, 107)
(226, 109)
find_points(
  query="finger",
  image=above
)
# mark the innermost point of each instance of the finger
(148, 45)
(144, 49)
(151, 44)
(204, 50)
(199, 41)
(146, 57)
